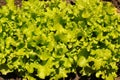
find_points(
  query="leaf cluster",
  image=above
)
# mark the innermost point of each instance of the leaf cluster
(54, 38)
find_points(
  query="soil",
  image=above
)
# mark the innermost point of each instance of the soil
(71, 76)
(116, 3)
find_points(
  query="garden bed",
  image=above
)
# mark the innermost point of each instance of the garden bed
(71, 76)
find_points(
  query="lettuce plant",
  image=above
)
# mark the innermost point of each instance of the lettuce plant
(53, 38)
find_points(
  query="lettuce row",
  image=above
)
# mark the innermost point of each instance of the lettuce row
(53, 38)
